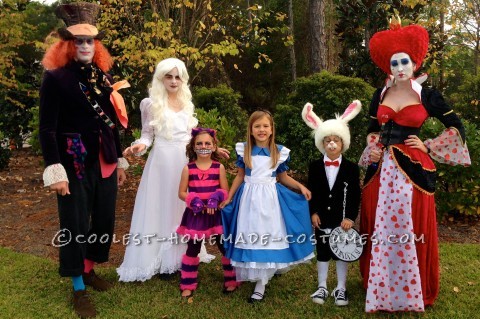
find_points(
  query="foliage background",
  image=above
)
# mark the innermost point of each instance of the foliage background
(239, 56)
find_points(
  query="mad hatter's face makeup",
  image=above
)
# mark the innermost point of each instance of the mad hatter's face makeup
(85, 49)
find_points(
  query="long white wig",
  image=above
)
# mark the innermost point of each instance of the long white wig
(159, 96)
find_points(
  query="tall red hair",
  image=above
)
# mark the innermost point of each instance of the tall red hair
(62, 52)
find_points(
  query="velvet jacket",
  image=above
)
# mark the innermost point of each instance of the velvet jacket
(65, 112)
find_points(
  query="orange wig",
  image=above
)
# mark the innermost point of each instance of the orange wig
(62, 52)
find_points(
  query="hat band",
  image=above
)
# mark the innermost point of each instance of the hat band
(83, 29)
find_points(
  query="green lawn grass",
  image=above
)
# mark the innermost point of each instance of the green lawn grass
(30, 287)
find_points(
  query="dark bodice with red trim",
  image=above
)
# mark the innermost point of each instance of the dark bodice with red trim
(417, 165)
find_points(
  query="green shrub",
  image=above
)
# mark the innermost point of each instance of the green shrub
(457, 189)
(329, 94)
(225, 132)
(225, 100)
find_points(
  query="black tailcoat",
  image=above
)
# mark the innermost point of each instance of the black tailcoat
(328, 204)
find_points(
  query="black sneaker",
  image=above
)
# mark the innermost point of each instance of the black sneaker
(320, 296)
(341, 297)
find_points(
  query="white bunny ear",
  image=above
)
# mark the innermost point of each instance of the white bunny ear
(310, 118)
(352, 110)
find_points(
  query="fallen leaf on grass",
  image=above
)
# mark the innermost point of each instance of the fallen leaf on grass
(471, 283)
(456, 289)
(190, 300)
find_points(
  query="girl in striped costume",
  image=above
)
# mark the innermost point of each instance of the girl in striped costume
(203, 187)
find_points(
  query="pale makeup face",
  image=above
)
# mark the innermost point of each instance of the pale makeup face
(261, 131)
(402, 66)
(172, 81)
(85, 49)
(204, 145)
(333, 146)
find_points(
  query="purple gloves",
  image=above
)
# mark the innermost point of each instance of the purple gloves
(194, 202)
(196, 205)
(216, 198)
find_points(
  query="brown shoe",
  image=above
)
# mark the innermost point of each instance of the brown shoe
(82, 304)
(91, 279)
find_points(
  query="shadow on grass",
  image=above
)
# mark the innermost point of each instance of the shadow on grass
(31, 288)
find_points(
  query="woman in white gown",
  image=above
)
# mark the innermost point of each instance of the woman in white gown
(167, 120)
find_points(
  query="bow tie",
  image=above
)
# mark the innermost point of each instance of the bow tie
(334, 163)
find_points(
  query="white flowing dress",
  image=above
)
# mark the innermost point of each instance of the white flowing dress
(154, 247)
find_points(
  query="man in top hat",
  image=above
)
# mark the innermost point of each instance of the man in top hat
(81, 148)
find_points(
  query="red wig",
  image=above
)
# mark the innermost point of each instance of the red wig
(62, 52)
(412, 39)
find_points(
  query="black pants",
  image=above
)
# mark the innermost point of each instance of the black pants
(324, 252)
(87, 218)
(194, 246)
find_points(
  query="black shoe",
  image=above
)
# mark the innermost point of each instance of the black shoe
(255, 300)
(320, 296)
(341, 297)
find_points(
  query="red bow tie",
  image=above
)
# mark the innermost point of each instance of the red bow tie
(334, 163)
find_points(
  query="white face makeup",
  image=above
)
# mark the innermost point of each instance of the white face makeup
(172, 81)
(85, 49)
(402, 66)
(333, 146)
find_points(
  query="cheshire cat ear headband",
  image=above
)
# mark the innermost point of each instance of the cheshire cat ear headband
(199, 130)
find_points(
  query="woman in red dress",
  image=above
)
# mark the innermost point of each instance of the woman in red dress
(400, 264)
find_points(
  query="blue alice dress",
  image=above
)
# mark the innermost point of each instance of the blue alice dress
(267, 227)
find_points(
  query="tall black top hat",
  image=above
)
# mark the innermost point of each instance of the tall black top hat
(80, 19)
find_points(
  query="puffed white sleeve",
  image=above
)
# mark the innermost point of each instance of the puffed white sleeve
(148, 130)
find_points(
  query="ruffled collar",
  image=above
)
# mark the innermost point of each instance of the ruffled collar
(260, 151)
(416, 85)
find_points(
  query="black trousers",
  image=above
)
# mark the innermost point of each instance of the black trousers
(324, 252)
(87, 218)
(194, 246)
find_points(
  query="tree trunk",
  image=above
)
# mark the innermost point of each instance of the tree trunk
(477, 50)
(442, 36)
(318, 47)
(333, 45)
(293, 61)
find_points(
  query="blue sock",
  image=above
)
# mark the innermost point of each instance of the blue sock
(78, 283)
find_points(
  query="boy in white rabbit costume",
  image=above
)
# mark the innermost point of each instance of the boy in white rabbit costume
(334, 183)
